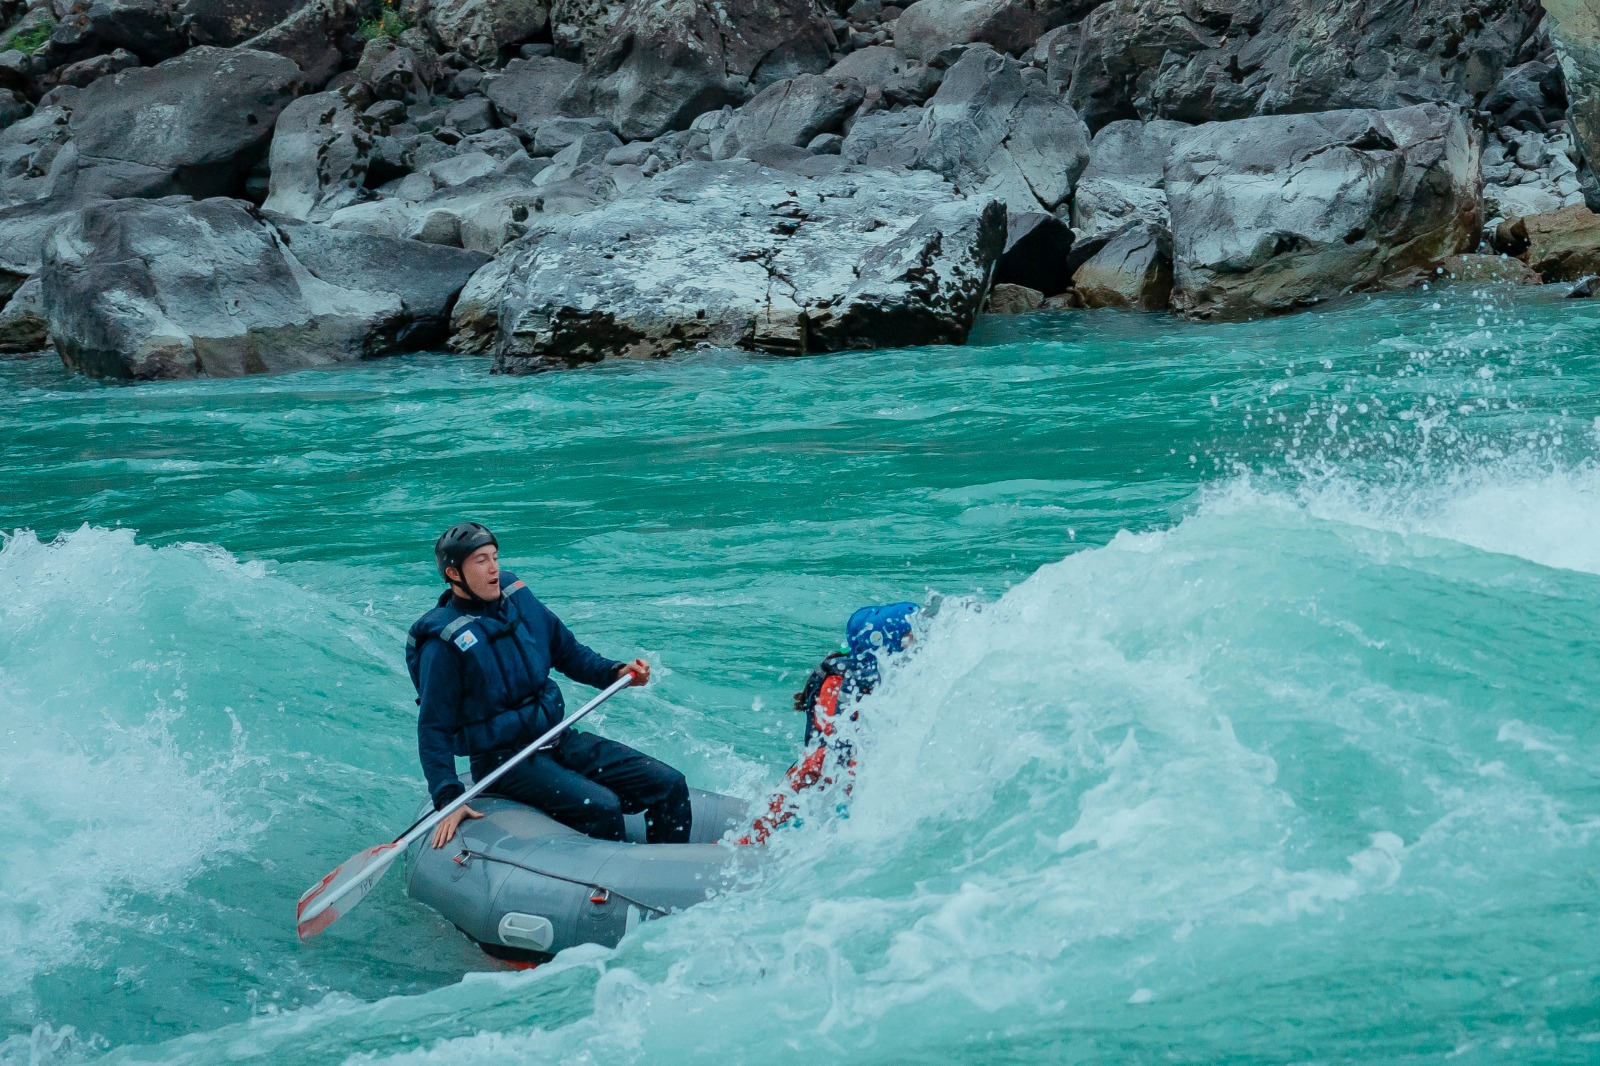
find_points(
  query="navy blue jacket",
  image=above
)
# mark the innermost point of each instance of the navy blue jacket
(483, 681)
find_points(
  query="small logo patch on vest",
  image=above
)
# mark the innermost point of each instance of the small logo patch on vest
(466, 640)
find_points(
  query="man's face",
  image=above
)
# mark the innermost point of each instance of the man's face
(481, 573)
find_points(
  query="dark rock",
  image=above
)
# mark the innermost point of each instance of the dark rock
(578, 28)
(666, 61)
(150, 29)
(1010, 26)
(22, 324)
(1009, 299)
(386, 112)
(790, 112)
(986, 129)
(311, 37)
(466, 83)
(1132, 270)
(559, 134)
(202, 118)
(1530, 97)
(321, 149)
(473, 115)
(531, 89)
(479, 29)
(396, 72)
(84, 71)
(14, 107)
(1214, 60)
(825, 144)
(1584, 289)
(1280, 212)
(230, 22)
(734, 254)
(176, 288)
(1036, 254)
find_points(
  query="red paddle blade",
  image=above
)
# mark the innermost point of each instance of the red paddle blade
(337, 894)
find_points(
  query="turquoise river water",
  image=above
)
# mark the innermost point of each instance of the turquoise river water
(1254, 718)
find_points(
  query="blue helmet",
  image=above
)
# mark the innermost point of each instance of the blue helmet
(876, 629)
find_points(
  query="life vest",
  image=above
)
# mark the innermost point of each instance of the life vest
(832, 758)
(507, 697)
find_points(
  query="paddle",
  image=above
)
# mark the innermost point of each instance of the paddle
(337, 894)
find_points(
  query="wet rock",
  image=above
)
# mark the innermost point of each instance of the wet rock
(1009, 299)
(479, 29)
(1132, 270)
(321, 150)
(1563, 245)
(1125, 179)
(735, 254)
(1279, 212)
(1036, 254)
(176, 288)
(1012, 26)
(1585, 287)
(1467, 270)
(790, 112)
(530, 89)
(22, 324)
(988, 129)
(1215, 60)
(666, 61)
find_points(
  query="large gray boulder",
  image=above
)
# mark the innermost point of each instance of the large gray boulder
(1574, 27)
(320, 152)
(1214, 60)
(202, 118)
(1125, 179)
(530, 89)
(478, 29)
(1279, 212)
(989, 129)
(734, 254)
(792, 112)
(664, 62)
(167, 288)
(928, 27)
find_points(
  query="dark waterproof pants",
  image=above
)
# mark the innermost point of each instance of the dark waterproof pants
(589, 783)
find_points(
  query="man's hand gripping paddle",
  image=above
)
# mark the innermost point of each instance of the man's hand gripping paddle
(337, 894)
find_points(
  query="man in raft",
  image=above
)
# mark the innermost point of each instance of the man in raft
(481, 663)
(837, 683)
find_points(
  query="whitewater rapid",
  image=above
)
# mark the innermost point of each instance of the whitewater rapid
(1250, 718)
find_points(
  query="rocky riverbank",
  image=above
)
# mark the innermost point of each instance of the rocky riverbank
(236, 186)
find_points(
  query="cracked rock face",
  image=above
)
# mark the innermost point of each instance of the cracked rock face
(1279, 212)
(734, 254)
(1215, 60)
(169, 288)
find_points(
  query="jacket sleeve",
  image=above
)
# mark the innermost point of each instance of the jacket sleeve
(440, 689)
(578, 661)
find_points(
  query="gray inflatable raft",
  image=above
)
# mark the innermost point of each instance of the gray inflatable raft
(524, 886)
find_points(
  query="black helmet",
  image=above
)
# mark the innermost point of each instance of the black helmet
(458, 542)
